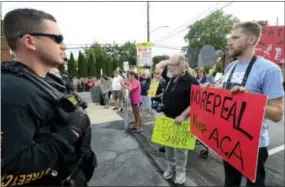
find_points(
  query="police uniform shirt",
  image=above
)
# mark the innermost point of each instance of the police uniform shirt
(32, 136)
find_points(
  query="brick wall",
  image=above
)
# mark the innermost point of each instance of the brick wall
(5, 52)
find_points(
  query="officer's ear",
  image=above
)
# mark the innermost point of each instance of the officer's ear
(28, 41)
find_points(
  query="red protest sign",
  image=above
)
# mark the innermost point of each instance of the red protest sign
(229, 125)
(271, 44)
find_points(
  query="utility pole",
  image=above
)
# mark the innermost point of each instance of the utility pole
(147, 17)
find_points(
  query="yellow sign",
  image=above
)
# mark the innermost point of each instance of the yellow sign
(165, 132)
(152, 89)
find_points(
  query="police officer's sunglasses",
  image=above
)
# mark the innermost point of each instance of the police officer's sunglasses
(57, 38)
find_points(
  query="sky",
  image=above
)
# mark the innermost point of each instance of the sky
(83, 23)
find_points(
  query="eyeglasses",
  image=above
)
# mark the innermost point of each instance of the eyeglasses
(57, 38)
(174, 65)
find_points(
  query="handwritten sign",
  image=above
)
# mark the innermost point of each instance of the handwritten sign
(271, 44)
(229, 125)
(165, 132)
(152, 89)
(144, 54)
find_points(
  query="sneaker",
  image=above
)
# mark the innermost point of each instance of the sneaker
(169, 172)
(179, 178)
(138, 130)
(161, 149)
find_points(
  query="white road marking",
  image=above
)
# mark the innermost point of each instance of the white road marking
(276, 150)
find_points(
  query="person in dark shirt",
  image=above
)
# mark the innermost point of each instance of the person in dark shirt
(40, 140)
(166, 79)
(157, 99)
(176, 105)
(145, 85)
(164, 75)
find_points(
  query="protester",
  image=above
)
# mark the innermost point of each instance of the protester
(145, 85)
(106, 87)
(90, 83)
(204, 77)
(164, 76)
(134, 87)
(74, 83)
(176, 101)
(157, 99)
(117, 93)
(263, 77)
(96, 93)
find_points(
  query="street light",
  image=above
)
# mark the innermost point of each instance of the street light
(164, 26)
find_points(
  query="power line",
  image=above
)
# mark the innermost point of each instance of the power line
(186, 23)
(166, 38)
(167, 47)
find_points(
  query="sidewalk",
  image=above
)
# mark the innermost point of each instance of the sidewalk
(98, 114)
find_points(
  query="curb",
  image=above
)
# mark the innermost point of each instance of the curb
(116, 124)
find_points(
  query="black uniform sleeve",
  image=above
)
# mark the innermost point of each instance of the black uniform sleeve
(22, 152)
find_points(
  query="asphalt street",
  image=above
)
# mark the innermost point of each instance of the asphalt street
(120, 160)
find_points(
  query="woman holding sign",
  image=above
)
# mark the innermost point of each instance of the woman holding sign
(176, 105)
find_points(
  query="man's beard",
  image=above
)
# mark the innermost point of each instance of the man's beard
(169, 75)
(238, 52)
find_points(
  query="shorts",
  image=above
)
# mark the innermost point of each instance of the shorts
(146, 104)
(137, 105)
(117, 94)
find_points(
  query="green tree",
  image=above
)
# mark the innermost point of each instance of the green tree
(82, 66)
(262, 22)
(71, 67)
(128, 52)
(99, 62)
(110, 56)
(157, 59)
(212, 30)
(91, 66)
(61, 68)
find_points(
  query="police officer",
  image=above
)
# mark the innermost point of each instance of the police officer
(60, 81)
(43, 131)
(62, 84)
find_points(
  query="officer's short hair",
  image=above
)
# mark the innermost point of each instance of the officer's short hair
(23, 20)
(250, 28)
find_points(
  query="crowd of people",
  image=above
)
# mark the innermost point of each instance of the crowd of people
(46, 134)
(176, 78)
